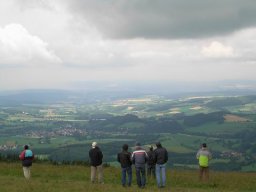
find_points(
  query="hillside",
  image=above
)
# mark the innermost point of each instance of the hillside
(66, 178)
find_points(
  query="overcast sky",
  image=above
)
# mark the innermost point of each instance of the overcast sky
(56, 43)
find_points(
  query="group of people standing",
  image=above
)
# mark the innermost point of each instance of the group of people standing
(154, 160)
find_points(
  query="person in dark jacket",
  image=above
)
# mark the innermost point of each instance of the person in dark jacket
(124, 158)
(151, 163)
(26, 156)
(139, 159)
(161, 157)
(96, 157)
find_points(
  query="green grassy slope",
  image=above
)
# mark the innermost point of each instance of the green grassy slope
(64, 178)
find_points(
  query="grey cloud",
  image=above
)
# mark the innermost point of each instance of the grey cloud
(32, 4)
(166, 19)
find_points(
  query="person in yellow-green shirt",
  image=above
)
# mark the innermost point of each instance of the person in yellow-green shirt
(203, 155)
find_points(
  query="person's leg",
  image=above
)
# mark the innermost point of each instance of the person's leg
(143, 176)
(26, 171)
(154, 171)
(138, 176)
(123, 176)
(93, 174)
(129, 172)
(205, 174)
(200, 173)
(149, 170)
(158, 175)
(100, 173)
(163, 171)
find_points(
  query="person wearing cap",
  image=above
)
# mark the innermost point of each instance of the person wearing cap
(203, 155)
(124, 158)
(96, 157)
(139, 159)
(26, 156)
(161, 158)
(151, 163)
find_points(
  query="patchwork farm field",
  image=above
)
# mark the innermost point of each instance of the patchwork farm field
(64, 130)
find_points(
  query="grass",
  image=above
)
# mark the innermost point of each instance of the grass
(65, 178)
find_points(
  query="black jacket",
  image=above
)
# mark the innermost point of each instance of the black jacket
(161, 155)
(151, 158)
(124, 158)
(96, 156)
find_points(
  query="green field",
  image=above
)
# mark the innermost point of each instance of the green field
(52, 178)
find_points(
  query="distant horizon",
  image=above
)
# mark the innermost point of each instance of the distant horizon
(151, 87)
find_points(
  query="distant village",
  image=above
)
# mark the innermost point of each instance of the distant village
(8, 147)
(68, 131)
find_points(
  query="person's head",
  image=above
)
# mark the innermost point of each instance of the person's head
(94, 144)
(158, 144)
(26, 147)
(125, 147)
(204, 145)
(137, 146)
(151, 148)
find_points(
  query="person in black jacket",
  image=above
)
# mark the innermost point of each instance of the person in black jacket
(96, 157)
(124, 158)
(151, 171)
(161, 157)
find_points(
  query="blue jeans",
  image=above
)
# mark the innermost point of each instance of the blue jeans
(140, 175)
(127, 170)
(160, 171)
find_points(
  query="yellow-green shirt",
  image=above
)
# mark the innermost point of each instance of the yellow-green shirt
(203, 155)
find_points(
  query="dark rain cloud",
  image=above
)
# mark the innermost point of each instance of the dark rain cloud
(166, 19)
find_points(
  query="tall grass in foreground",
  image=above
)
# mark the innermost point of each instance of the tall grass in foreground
(66, 178)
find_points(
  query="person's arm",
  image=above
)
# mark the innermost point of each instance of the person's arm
(166, 156)
(154, 156)
(133, 158)
(198, 154)
(129, 158)
(146, 157)
(118, 157)
(101, 155)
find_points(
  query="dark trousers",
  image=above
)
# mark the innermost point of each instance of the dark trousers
(140, 175)
(151, 171)
(127, 170)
